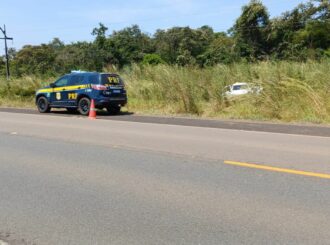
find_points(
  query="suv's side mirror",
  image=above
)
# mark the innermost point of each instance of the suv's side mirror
(52, 85)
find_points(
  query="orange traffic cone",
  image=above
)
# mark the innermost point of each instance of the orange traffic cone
(92, 111)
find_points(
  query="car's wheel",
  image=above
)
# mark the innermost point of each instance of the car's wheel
(72, 110)
(84, 106)
(43, 105)
(113, 110)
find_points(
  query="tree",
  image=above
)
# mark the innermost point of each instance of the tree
(128, 46)
(301, 32)
(100, 33)
(35, 60)
(182, 45)
(152, 59)
(78, 56)
(56, 44)
(251, 31)
(221, 50)
(2, 66)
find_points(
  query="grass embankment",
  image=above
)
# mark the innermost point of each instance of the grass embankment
(19, 92)
(292, 92)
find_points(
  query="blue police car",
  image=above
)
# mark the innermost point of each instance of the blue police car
(75, 91)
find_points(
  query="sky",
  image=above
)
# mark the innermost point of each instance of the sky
(39, 21)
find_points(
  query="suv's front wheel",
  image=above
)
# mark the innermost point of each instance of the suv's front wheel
(43, 105)
(84, 106)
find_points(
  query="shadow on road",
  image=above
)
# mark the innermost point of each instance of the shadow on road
(99, 113)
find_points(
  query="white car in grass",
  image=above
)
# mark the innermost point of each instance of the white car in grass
(242, 88)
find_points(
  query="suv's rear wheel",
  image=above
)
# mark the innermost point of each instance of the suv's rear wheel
(114, 110)
(43, 105)
(84, 106)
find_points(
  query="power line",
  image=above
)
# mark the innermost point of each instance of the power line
(6, 49)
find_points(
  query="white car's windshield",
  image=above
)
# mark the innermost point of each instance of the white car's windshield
(239, 87)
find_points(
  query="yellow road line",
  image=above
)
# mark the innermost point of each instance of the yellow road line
(283, 170)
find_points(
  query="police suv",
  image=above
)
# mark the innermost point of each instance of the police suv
(76, 90)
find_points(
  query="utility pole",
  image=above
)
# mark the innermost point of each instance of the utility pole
(6, 48)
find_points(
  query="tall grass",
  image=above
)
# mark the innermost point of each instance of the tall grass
(292, 92)
(19, 92)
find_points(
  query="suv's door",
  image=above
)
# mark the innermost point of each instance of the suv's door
(58, 96)
(76, 83)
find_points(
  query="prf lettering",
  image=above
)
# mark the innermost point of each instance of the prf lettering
(72, 96)
(113, 79)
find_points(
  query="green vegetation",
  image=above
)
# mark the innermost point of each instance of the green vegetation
(291, 91)
(298, 35)
(184, 71)
(19, 92)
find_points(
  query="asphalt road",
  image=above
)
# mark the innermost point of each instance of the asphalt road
(68, 180)
(301, 129)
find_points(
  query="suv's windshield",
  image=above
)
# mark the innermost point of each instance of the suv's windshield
(111, 79)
